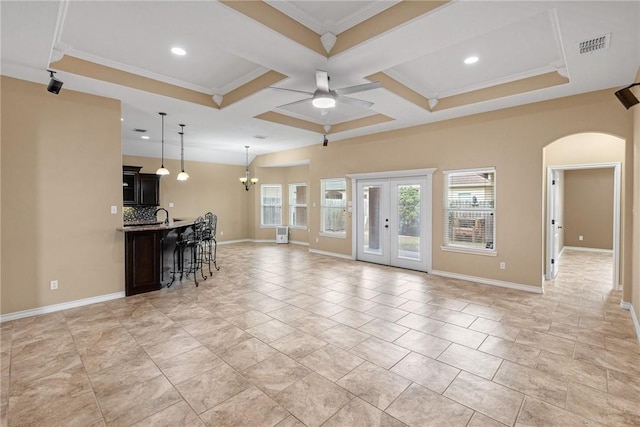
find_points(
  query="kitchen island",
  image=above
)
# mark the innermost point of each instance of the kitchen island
(149, 249)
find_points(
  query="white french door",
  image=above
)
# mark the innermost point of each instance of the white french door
(393, 222)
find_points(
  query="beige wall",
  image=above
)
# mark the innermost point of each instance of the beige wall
(588, 208)
(512, 140)
(61, 172)
(634, 296)
(210, 188)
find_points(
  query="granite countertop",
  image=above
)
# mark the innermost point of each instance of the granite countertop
(155, 225)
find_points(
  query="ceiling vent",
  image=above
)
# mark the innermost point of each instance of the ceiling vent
(596, 43)
(139, 130)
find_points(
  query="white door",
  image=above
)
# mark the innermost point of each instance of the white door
(391, 222)
(555, 222)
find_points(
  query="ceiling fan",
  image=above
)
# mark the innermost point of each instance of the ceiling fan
(324, 97)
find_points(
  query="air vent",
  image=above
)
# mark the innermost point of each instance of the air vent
(139, 130)
(596, 43)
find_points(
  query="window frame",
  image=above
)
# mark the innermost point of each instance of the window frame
(323, 231)
(461, 247)
(262, 205)
(293, 205)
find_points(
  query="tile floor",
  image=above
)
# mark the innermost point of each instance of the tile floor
(281, 337)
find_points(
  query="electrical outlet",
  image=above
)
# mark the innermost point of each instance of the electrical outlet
(503, 265)
(580, 237)
(114, 210)
(170, 204)
(222, 233)
(53, 285)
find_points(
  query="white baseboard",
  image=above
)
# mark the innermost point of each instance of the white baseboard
(634, 317)
(492, 282)
(298, 242)
(334, 254)
(58, 307)
(263, 240)
(228, 242)
(579, 248)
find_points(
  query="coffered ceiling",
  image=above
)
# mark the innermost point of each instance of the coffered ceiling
(240, 54)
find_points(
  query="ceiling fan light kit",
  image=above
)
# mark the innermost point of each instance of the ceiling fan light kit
(626, 97)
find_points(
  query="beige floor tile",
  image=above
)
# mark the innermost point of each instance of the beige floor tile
(302, 301)
(288, 313)
(622, 345)
(325, 308)
(138, 401)
(533, 383)
(602, 407)
(449, 303)
(334, 297)
(358, 304)
(271, 330)
(389, 300)
(417, 307)
(425, 344)
(624, 385)
(43, 409)
(546, 342)
(497, 329)
(189, 364)
(470, 360)
(420, 323)
(267, 304)
(380, 352)
(31, 350)
(290, 421)
(247, 353)
(538, 413)
(490, 313)
(480, 420)
(248, 319)
(179, 414)
(427, 372)
(314, 324)
(518, 353)
(343, 336)
(275, 373)
(417, 296)
(454, 317)
(313, 399)
(24, 373)
(373, 384)
(569, 369)
(250, 407)
(331, 362)
(206, 390)
(460, 335)
(418, 406)
(358, 413)
(383, 329)
(608, 359)
(489, 398)
(224, 338)
(352, 318)
(178, 343)
(298, 344)
(526, 321)
(387, 313)
(125, 375)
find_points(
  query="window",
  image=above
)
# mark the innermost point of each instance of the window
(298, 205)
(270, 205)
(333, 207)
(469, 216)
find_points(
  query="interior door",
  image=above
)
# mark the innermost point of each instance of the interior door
(390, 215)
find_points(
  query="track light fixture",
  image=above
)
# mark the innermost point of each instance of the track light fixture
(54, 84)
(325, 141)
(626, 97)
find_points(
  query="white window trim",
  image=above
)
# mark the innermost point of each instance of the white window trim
(262, 225)
(329, 234)
(463, 249)
(297, 205)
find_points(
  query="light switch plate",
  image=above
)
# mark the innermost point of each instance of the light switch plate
(170, 204)
(114, 209)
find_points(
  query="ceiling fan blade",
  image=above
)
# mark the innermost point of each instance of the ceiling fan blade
(322, 80)
(290, 90)
(358, 88)
(294, 103)
(353, 101)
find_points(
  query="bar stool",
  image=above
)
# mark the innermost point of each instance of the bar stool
(209, 240)
(192, 240)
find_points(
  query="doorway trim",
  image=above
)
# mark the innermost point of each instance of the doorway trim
(616, 215)
(408, 173)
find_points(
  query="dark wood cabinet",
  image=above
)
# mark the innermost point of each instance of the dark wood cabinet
(149, 189)
(143, 261)
(139, 189)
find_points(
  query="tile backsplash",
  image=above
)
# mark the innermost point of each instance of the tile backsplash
(138, 213)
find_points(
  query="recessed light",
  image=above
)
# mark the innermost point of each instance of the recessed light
(144, 137)
(471, 60)
(121, 119)
(178, 51)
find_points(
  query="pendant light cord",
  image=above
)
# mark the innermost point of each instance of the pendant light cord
(162, 115)
(182, 147)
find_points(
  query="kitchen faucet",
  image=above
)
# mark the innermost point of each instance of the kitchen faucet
(166, 218)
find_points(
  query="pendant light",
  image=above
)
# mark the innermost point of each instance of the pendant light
(246, 180)
(182, 176)
(162, 170)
